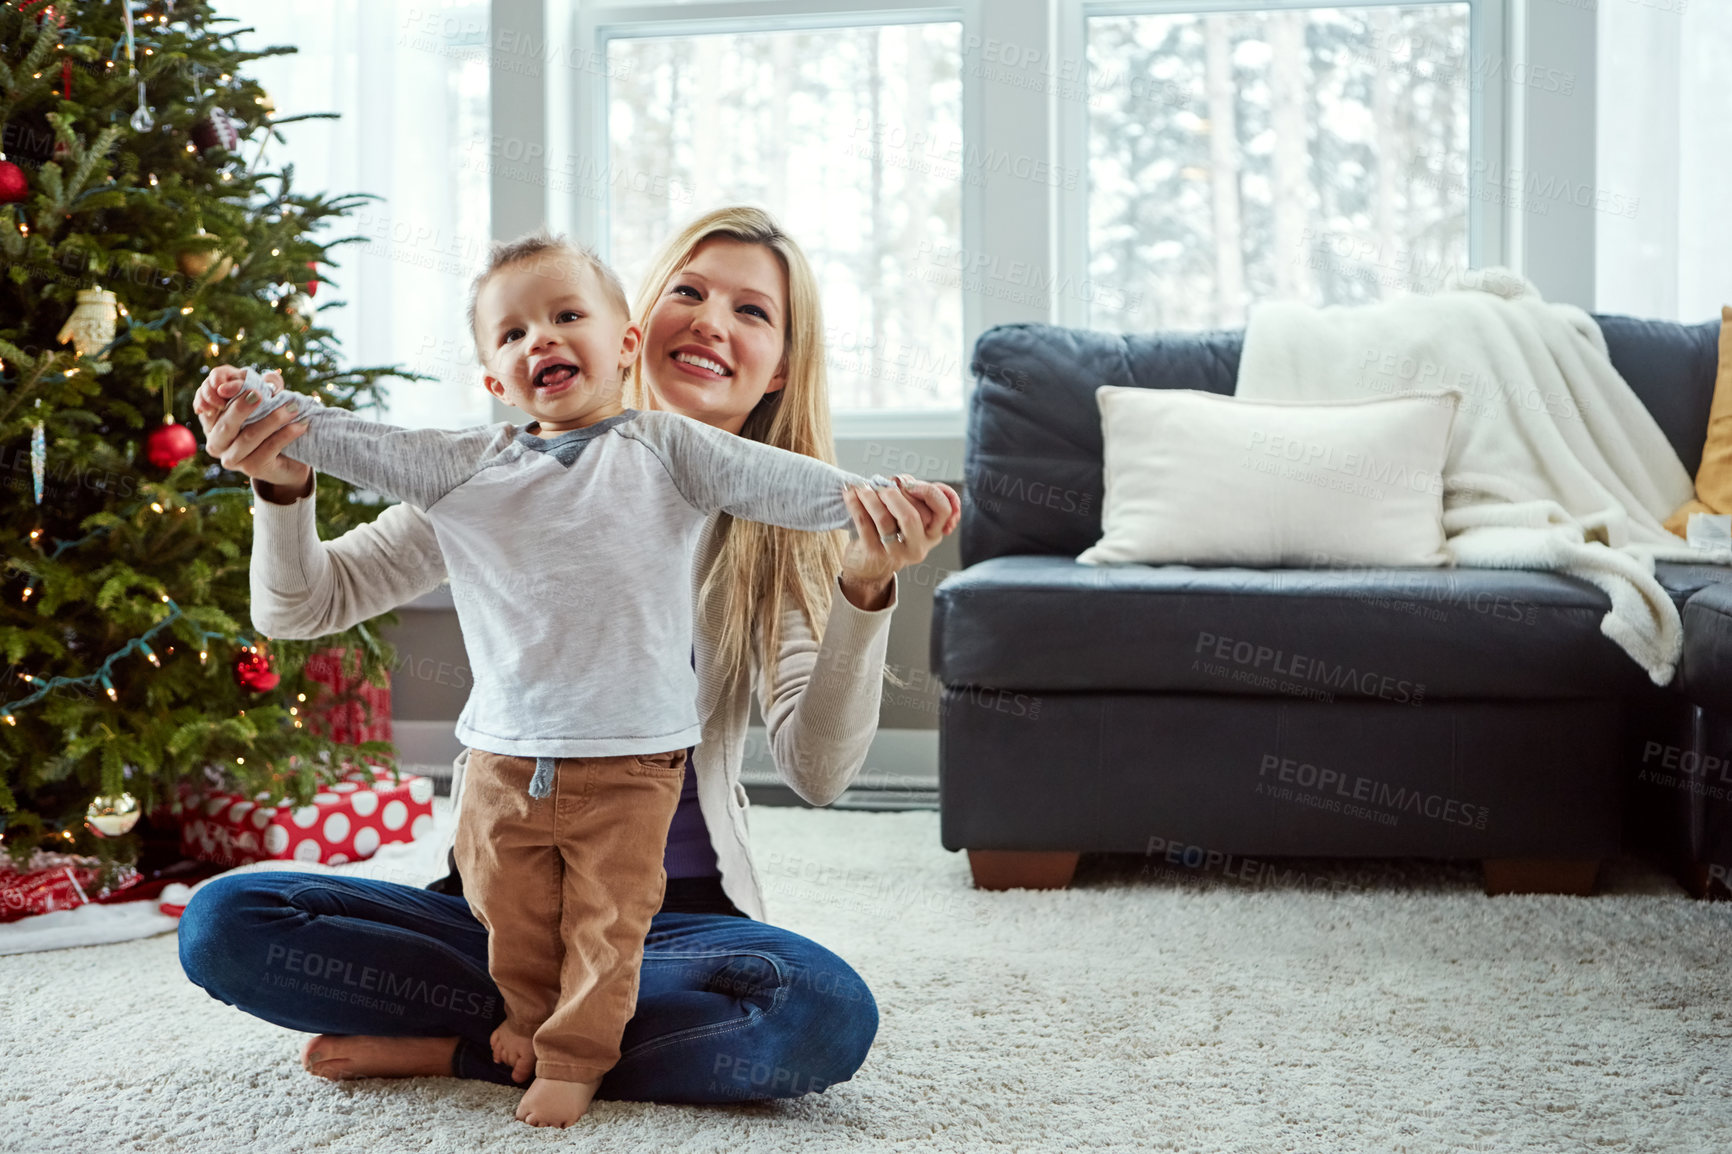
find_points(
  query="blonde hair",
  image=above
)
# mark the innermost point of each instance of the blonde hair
(552, 255)
(762, 571)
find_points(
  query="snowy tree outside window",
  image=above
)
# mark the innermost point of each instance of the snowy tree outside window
(852, 137)
(1317, 155)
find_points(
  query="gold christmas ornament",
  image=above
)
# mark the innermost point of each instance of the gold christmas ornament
(90, 328)
(112, 816)
(196, 262)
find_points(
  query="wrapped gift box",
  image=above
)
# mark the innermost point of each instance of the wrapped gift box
(347, 821)
(55, 881)
(364, 716)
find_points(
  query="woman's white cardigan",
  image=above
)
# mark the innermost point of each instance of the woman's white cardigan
(821, 712)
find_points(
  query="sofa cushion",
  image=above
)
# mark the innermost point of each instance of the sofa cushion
(1405, 636)
(1196, 478)
(1705, 673)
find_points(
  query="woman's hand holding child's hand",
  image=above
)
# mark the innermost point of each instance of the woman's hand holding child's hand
(251, 449)
(922, 512)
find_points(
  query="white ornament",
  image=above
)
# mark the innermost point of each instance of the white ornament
(90, 328)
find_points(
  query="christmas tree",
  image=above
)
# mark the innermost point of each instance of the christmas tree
(143, 243)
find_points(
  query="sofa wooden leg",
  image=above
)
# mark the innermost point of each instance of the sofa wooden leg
(997, 869)
(1541, 875)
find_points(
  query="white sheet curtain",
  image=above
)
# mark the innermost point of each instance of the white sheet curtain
(410, 83)
(1665, 138)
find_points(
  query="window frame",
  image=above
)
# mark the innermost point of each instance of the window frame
(1487, 226)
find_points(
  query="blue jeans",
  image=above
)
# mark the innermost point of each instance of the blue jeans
(728, 1008)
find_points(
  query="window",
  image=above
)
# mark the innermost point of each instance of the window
(1320, 155)
(852, 137)
(410, 84)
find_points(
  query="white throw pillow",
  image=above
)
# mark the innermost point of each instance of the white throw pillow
(1196, 478)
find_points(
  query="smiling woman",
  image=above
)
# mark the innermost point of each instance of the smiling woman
(715, 334)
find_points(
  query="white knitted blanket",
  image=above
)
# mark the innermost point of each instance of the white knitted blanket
(1554, 463)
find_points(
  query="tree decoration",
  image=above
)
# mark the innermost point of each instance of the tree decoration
(253, 671)
(216, 130)
(14, 185)
(196, 262)
(141, 119)
(38, 455)
(90, 328)
(299, 308)
(169, 444)
(112, 816)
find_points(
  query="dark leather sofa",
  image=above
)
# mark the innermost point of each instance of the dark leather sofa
(1204, 715)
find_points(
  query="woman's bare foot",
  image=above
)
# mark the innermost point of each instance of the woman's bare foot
(551, 1103)
(339, 1056)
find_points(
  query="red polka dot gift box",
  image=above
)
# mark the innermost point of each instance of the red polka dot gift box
(347, 822)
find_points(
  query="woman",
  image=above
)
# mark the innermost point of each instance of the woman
(393, 979)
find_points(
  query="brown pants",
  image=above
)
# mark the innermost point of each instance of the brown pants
(566, 886)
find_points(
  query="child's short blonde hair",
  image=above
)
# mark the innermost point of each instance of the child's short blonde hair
(553, 255)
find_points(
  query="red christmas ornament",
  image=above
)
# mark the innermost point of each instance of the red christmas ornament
(253, 671)
(313, 285)
(13, 185)
(169, 444)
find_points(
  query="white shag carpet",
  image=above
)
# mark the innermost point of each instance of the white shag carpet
(1135, 1012)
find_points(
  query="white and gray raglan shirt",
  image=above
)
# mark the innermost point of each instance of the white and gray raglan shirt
(570, 559)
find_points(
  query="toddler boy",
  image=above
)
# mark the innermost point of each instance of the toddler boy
(569, 544)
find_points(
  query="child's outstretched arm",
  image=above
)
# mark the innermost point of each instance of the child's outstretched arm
(418, 466)
(715, 470)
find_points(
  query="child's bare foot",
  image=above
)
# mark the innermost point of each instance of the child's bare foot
(551, 1103)
(514, 1050)
(340, 1056)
